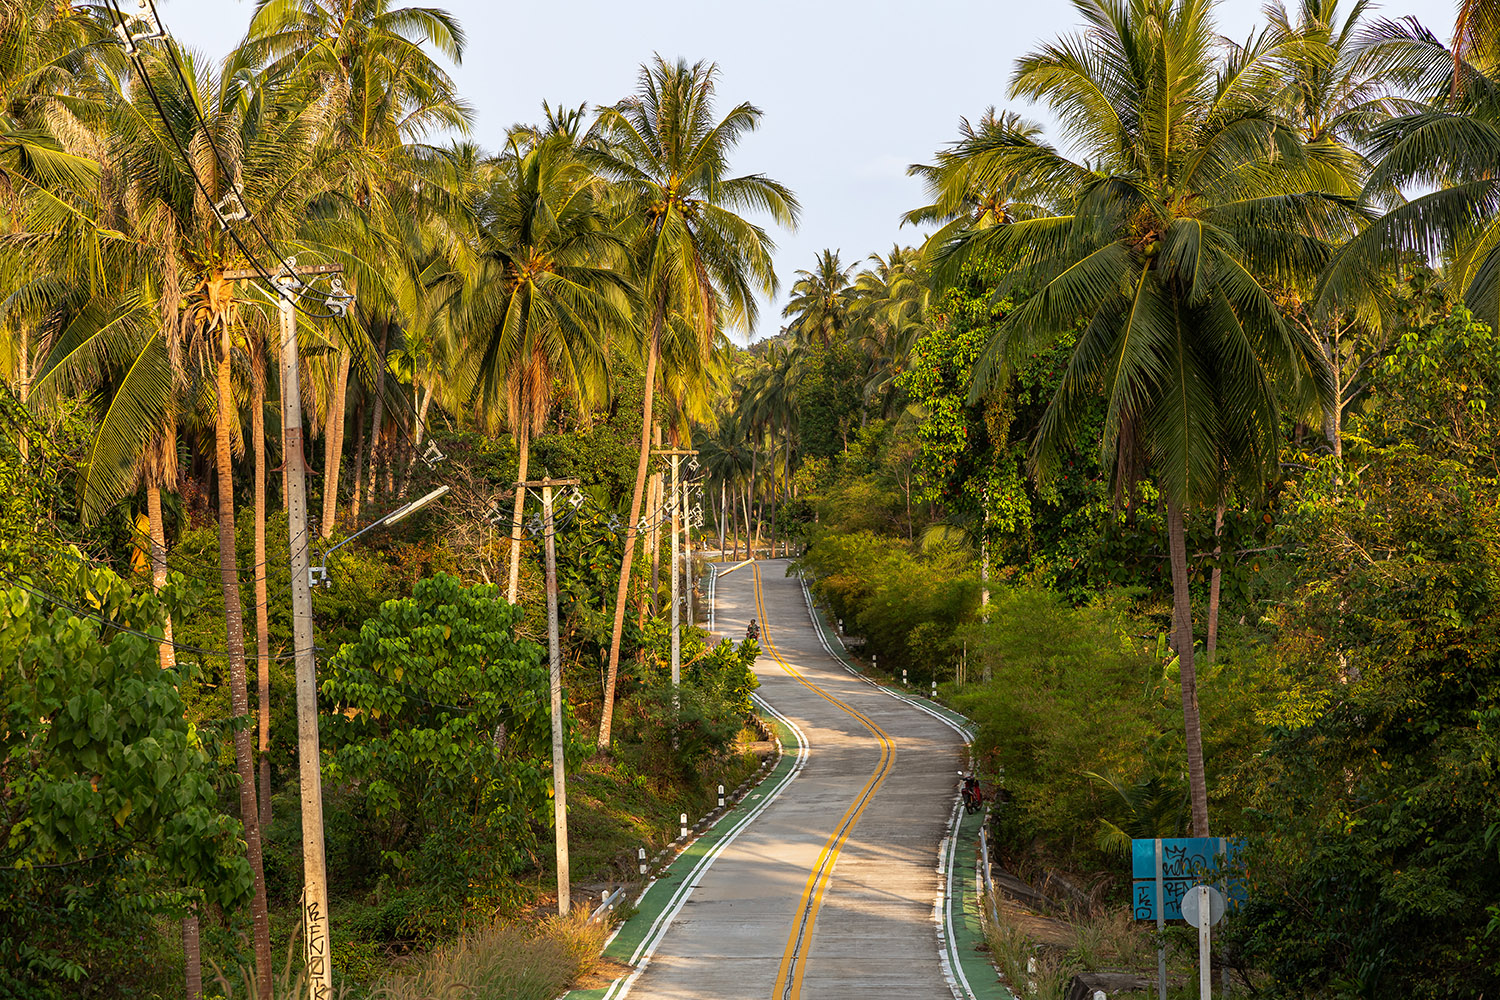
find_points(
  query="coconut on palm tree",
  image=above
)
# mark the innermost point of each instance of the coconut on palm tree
(698, 262)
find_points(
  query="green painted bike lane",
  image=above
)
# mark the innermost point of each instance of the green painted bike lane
(634, 941)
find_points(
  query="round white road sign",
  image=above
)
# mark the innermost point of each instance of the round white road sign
(1190, 905)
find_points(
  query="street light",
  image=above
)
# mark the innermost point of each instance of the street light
(319, 574)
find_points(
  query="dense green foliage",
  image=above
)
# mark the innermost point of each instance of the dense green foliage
(439, 731)
(109, 799)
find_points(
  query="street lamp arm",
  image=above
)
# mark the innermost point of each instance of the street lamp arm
(319, 574)
(390, 518)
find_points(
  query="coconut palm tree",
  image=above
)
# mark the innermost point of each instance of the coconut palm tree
(367, 57)
(970, 192)
(1196, 197)
(698, 262)
(819, 303)
(267, 139)
(890, 312)
(1440, 145)
(551, 290)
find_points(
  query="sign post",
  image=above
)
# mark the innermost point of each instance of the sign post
(1203, 906)
(1167, 875)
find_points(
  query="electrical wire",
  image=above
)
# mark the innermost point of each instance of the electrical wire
(132, 52)
(85, 613)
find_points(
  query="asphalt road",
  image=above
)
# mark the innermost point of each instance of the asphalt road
(831, 892)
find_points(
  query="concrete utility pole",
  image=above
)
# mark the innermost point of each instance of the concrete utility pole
(676, 507)
(317, 942)
(554, 649)
(687, 550)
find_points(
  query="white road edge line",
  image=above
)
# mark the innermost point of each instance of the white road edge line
(659, 927)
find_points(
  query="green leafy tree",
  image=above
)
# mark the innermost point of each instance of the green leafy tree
(109, 797)
(442, 729)
(1376, 806)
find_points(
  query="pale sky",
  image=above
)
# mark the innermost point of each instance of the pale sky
(852, 92)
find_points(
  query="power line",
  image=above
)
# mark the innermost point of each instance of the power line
(133, 53)
(85, 613)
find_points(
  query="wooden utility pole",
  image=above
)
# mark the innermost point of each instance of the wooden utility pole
(554, 650)
(318, 943)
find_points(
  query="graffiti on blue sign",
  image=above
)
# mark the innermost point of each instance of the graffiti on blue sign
(1184, 862)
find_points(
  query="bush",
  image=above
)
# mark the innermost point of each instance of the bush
(713, 702)
(908, 606)
(504, 962)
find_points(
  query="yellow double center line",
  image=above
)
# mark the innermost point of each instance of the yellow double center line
(794, 959)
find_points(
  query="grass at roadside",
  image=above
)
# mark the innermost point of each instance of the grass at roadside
(614, 810)
(504, 961)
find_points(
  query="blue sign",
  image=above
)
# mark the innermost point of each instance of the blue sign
(1184, 863)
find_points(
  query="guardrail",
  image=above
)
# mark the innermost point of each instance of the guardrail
(992, 898)
(607, 905)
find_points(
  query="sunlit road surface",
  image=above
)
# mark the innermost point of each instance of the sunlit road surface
(830, 892)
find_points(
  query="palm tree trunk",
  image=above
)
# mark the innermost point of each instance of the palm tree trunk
(375, 424)
(1213, 584)
(734, 528)
(749, 531)
(513, 588)
(721, 518)
(750, 497)
(192, 959)
(416, 449)
(653, 544)
(607, 712)
(786, 441)
(239, 697)
(771, 464)
(333, 444)
(157, 527)
(23, 368)
(262, 600)
(359, 461)
(1183, 619)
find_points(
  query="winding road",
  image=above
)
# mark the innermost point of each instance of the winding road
(832, 890)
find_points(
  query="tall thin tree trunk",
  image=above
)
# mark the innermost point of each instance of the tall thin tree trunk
(513, 588)
(23, 370)
(657, 503)
(157, 528)
(750, 498)
(376, 424)
(359, 461)
(239, 696)
(333, 443)
(1183, 615)
(734, 528)
(608, 709)
(721, 518)
(750, 531)
(1212, 645)
(416, 450)
(771, 464)
(192, 953)
(262, 600)
(787, 443)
